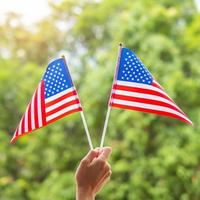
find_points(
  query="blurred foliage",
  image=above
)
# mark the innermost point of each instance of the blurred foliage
(153, 157)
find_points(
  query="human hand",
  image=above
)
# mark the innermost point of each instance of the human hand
(92, 173)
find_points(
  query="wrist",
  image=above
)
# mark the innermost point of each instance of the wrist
(84, 194)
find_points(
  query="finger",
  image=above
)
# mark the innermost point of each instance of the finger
(90, 156)
(103, 181)
(106, 170)
(107, 167)
(106, 175)
(101, 167)
(106, 151)
(100, 150)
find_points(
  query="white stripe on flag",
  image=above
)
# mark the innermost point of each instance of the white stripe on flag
(60, 103)
(39, 105)
(59, 94)
(145, 96)
(26, 120)
(148, 106)
(140, 85)
(20, 127)
(33, 112)
(14, 136)
(72, 107)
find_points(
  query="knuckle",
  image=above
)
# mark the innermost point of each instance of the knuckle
(93, 152)
(101, 162)
(83, 162)
(106, 168)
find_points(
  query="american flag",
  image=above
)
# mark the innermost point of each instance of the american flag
(54, 98)
(134, 88)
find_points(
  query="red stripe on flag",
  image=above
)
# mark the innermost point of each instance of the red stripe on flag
(73, 93)
(43, 104)
(18, 136)
(29, 117)
(36, 109)
(76, 101)
(155, 84)
(16, 133)
(22, 125)
(15, 136)
(64, 114)
(147, 101)
(140, 90)
(150, 111)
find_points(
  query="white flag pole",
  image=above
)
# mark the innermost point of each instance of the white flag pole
(86, 130)
(110, 98)
(105, 126)
(82, 115)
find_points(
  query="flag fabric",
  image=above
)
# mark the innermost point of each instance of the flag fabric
(54, 98)
(135, 88)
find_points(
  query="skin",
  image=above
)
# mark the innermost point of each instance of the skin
(92, 173)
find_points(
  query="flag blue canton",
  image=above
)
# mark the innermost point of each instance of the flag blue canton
(131, 69)
(56, 78)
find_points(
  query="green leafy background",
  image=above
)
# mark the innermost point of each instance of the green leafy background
(154, 157)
